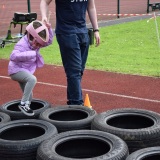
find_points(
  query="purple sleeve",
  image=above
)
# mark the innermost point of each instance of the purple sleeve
(51, 35)
(40, 60)
(25, 56)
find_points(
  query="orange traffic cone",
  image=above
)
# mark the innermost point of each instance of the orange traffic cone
(87, 101)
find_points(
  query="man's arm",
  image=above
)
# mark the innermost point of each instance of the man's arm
(93, 18)
(44, 5)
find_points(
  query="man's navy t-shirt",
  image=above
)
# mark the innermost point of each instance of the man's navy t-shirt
(71, 16)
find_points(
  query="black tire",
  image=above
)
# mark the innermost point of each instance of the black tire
(4, 118)
(19, 139)
(139, 128)
(11, 108)
(67, 118)
(150, 153)
(83, 144)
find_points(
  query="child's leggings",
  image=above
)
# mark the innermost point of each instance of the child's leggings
(27, 82)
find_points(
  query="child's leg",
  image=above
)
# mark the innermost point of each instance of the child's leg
(22, 85)
(27, 82)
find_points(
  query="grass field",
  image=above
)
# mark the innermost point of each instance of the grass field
(130, 48)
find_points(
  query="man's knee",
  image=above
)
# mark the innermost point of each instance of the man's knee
(73, 73)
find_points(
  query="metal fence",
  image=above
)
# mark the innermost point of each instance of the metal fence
(106, 10)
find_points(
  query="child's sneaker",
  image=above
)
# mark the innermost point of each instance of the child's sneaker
(26, 109)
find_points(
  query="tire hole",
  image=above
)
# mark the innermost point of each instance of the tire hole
(130, 122)
(82, 148)
(67, 115)
(22, 133)
(152, 157)
(33, 106)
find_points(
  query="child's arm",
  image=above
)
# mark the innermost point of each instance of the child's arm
(18, 56)
(51, 35)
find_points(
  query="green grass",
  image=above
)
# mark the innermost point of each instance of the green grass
(130, 48)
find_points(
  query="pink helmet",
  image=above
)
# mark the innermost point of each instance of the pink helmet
(34, 32)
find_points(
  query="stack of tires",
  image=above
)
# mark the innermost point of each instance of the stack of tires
(11, 108)
(21, 135)
(4, 118)
(20, 139)
(139, 128)
(76, 140)
(67, 118)
(78, 133)
(83, 145)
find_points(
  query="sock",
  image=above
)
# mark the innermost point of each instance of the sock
(27, 102)
(22, 103)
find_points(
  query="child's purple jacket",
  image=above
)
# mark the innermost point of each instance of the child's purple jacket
(24, 58)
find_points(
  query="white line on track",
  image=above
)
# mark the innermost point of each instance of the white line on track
(98, 92)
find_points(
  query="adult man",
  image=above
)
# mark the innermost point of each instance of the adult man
(73, 40)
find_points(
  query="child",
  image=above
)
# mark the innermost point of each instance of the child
(25, 59)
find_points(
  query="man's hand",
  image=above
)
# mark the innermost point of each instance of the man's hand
(97, 38)
(45, 21)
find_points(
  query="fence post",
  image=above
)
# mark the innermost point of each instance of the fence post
(147, 6)
(29, 6)
(118, 8)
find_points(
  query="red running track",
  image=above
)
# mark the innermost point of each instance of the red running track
(106, 90)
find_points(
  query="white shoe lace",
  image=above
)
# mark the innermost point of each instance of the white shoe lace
(26, 108)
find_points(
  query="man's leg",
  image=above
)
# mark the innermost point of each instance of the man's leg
(70, 47)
